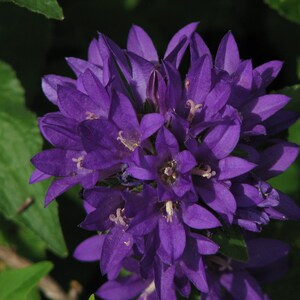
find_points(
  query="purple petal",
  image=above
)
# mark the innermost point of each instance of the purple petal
(143, 223)
(76, 105)
(38, 176)
(222, 139)
(198, 48)
(79, 66)
(60, 131)
(242, 285)
(123, 113)
(56, 162)
(163, 277)
(276, 159)
(94, 54)
(217, 98)
(174, 89)
(198, 217)
(166, 142)
(150, 123)
(268, 72)
(141, 44)
(50, 84)
(204, 245)
(129, 287)
(116, 247)
(262, 108)
(246, 195)
(219, 198)
(198, 80)
(232, 166)
(187, 32)
(60, 186)
(141, 71)
(280, 121)
(90, 249)
(228, 57)
(156, 91)
(99, 134)
(185, 161)
(193, 268)
(172, 237)
(96, 92)
(263, 252)
(288, 207)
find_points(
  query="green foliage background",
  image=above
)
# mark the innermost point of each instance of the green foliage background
(36, 44)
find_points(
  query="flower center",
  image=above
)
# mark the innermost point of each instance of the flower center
(204, 171)
(79, 162)
(118, 218)
(130, 142)
(224, 264)
(193, 109)
(168, 172)
(90, 116)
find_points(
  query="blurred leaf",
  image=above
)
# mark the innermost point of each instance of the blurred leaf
(34, 294)
(231, 242)
(298, 68)
(92, 297)
(27, 43)
(23, 240)
(131, 4)
(287, 8)
(288, 182)
(49, 8)
(293, 92)
(19, 283)
(20, 140)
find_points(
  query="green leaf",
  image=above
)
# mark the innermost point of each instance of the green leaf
(19, 283)
(287, 8)
(231, 242)
(48, 8)
(288, 182)
(293, 92)
(23, 240)
(92, 297)
(298, 68)
(20, 140)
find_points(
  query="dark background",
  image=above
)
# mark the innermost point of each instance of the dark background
(35, 46)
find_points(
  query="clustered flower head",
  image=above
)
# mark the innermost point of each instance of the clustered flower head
(168, 164)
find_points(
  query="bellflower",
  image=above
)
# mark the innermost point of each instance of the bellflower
(164, 161)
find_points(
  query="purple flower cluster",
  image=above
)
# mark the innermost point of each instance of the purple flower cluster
(164, 161)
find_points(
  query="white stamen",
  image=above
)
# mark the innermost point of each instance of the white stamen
(169, 210)
(149, 290)
(78, 162)
(205, 172)
(127, 243)
(91, 116)
(193, 109)
(129, 144)
(224, 264)
(118, 218)
(187, 84)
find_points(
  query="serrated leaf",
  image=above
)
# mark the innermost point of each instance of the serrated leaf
(287, 8)
(19, 283)
(231, 242)
(20, 140)
(48, 8)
